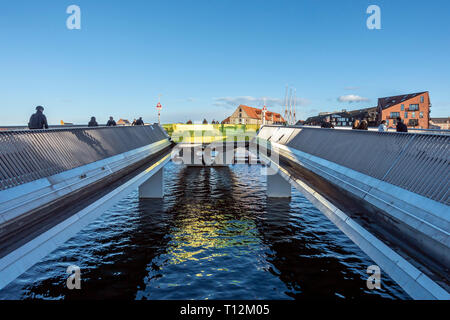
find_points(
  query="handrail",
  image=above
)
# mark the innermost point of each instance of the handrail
(28, 155)
(416, 162)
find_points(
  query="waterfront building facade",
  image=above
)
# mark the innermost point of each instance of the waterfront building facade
(414, 110)
(344, 118)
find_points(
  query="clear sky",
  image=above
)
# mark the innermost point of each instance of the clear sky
(207, 56)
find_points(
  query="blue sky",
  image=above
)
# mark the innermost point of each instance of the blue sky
(207, 56)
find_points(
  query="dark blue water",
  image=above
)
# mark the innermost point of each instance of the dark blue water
(215, 235)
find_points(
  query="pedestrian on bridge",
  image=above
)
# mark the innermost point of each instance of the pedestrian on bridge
(111, 122)
(139, 122)
(38, 120)
(93, 122)
(401, 127)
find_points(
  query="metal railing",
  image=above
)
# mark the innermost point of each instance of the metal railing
(416, 162)
(410, 130)
(29, 155)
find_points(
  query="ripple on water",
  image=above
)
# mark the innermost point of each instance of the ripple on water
(215, 235)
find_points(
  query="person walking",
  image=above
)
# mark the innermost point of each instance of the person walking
(382, 127)
(93, 122)
(355, 125)
(111, 122)
(363, 125)
(38, 120)
(139, 122)
(401, 127)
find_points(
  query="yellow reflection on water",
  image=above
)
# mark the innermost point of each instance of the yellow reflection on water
(198, 238)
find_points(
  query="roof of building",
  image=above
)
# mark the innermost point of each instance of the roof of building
(387, 102)
(255, 113)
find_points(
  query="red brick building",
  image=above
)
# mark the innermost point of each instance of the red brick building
(413, 109)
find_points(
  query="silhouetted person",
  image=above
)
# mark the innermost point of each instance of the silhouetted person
(401, 127)
(327, 124)
(363, 125)
(93, 122)
(134, 122)
(139, 122)
(111, 122)
(38, 119)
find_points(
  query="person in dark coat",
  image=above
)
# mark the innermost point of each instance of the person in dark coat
(401, 127)
(139, 122)
(111, 122)
(38, 120)
(93, 122)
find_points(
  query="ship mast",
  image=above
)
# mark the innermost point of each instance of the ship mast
(295, 100)
(290, 107)
(286, 104)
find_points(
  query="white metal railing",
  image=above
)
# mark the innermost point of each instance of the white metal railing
(28, 155)
(416, 162)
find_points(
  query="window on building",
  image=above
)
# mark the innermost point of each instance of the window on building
(422, 99)
(403, 107)
(413, 122)
(387, 122)
(395, 114)
(421, 115)
(406, 115)
(413, 114)
(413, 107)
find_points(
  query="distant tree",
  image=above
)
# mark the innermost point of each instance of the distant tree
(189, 122)
(205, 121)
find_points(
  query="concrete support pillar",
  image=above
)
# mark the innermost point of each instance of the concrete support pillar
(277, 186)
(153, 188)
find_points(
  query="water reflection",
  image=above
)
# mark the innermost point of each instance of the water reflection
(214, 236)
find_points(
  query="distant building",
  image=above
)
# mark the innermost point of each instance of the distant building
(440, 123)
(249, 115)
(413, 109)
(123, 122)
(368, 114)
(344, 118)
